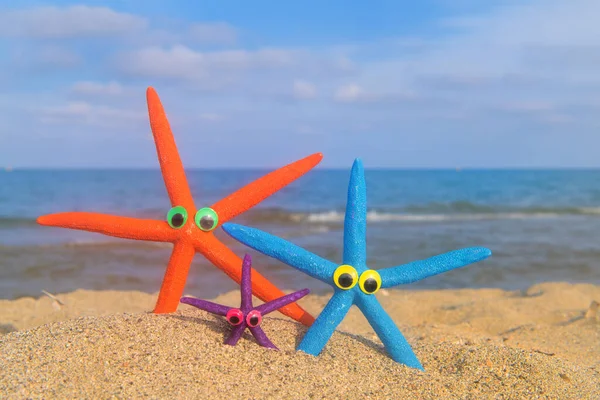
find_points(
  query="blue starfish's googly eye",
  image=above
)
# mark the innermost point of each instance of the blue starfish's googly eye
(369, 281)
(345, 277)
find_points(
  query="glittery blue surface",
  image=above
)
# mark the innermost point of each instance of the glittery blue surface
(355, 255)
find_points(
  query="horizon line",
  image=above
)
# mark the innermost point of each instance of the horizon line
(334, 168)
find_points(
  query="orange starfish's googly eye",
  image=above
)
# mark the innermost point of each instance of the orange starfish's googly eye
(177, 217)
(206, 219)
(345, 277)
(254, 318)
(369, 281)
(234, 316)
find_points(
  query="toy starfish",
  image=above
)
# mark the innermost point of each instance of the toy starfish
(353, 282)
(247, 315)
(188, 228)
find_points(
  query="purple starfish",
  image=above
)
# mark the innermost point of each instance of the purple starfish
(247, 315)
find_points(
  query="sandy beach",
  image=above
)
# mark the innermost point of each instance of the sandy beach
(480, 343)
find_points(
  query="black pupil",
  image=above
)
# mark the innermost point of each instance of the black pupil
(207, 222)
(345, 280)
(177, 219)
(253, 320)
(370, 285)
(234, 320)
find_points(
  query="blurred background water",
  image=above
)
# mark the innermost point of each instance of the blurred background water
(541, 225)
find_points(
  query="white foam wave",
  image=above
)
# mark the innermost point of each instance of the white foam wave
(590, 210)
(374, 216)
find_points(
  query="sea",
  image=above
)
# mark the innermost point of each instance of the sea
(541, 225)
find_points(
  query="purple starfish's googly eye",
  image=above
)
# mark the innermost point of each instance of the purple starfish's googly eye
(234, 316)
(254, 318)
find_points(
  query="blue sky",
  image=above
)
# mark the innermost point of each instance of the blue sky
(428, 84)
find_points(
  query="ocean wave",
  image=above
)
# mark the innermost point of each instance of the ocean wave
(14, 222)
(100, 243)
(457, 211)
(431, 212)
(374, 216)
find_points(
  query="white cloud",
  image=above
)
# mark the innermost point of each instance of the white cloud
(82, 112)
(57, 56)
(67, 22)
(349, 93)
(46, 57)
(213, 33)
(306, 130)
(513, 70)
(97, 88)
(520, 57)
(304, 90)
(528, 107)
(184, 63)
(212, 117)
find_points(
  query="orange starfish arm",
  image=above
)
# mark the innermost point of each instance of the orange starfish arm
(253, 193)
(112, 225)
(168, 156)
(176, 274)
(226, 260)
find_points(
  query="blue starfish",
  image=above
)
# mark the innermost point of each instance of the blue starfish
(353, 282)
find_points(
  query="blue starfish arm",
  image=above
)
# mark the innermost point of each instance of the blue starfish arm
(205, 305)
(355, 221)
(321, 330)
(422, 269)
(393, 340)
(284, 251)
(276, 304)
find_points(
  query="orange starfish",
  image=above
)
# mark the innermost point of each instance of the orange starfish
(189, 229)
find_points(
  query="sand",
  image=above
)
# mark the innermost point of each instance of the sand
(486, 343)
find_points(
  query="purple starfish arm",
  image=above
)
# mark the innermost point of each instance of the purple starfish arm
(209, 306)
(246, 314)
(236, 334)
(261, 338)
(282, 301)
(246, 284)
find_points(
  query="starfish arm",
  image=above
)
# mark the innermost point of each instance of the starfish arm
(422, 269)
(332, 315)
(111, 225)
(355, 222)
(246, 284)
(236, 334)
(175, 277)
(255, 192)
(208, 306)
(261, 338)
(227, 261)
(168, 156)
(393, 340)
(276, 304)
(284, 251)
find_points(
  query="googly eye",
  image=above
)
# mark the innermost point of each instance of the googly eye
(234, 316)
(254, 318)
(369, 281)
(206, 219)
(345, 277)
(177, 217)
